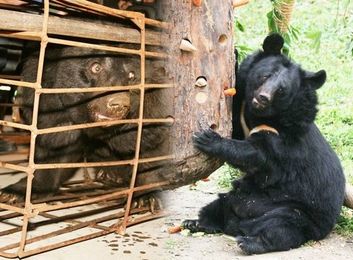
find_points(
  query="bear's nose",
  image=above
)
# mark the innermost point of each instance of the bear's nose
(264, 98)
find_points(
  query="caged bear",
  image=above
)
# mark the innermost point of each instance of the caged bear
(293, 184)
(69, 67)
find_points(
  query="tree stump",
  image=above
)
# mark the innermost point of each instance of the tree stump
(201, 66)
(209, 28)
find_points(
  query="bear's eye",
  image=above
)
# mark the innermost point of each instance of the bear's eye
(280, 91)
(264, 78)
(96, 68)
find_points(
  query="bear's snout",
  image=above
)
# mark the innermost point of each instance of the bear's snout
(263, 96)
(261, 100)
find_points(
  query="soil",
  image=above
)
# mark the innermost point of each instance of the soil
(151, 241)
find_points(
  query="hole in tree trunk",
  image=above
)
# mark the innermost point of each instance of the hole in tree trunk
(222, 39)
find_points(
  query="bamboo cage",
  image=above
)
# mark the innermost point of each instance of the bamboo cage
(196, 43)
(21, 222)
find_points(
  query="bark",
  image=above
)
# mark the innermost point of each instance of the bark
(12, 21)
(210, 29)
(348, 198)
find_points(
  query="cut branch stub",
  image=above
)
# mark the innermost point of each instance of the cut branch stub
(197, 2)
(201, 82)
(238, 3)
(186, 45)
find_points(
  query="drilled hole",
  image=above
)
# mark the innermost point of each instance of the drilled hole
(201, 81)
(201, 77)
(213, 126)
(171, 117)
(222, 39)
(186, 45)
(201, 97)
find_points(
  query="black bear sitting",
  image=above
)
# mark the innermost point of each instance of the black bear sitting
(293, 186)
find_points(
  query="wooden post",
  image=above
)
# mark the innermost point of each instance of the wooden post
(209, 28)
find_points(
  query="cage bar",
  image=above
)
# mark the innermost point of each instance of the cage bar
(80, 193)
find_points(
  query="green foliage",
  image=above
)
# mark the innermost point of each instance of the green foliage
(293, 33)
(350, 45)
(243, 51)
(309, 243)
(323, 40)
(227, 174)
(272, 22)
(345, 223)
(272, 16)
(239, 26)
(315, 36)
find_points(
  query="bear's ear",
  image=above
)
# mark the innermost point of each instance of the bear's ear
(315, 79)
(273, 44)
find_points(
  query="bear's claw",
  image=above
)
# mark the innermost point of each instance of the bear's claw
(250, 245)
(191, 224)
(207, 141)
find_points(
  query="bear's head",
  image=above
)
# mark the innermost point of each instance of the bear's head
(277, 88)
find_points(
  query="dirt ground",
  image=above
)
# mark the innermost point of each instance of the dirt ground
(184, 203)
(150, 241)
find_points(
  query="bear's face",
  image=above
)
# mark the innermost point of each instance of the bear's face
(78, 67)
(272, 85)
(276, 86)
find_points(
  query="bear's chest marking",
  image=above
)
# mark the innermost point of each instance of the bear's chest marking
(257, 129)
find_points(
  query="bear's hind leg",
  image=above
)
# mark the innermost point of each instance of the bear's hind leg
(211, 218)
(278, 230)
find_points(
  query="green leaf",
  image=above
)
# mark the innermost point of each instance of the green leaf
(349, 47)
(315, 36)
(272, 26)
(243, 51)
(346, 4)
(239, 26)
(294, 32)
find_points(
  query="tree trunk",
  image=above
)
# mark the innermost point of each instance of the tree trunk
(201, 66)
(348, 198)
(209, 28)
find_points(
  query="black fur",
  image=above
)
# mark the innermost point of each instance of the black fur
(68, 67)
(293, 186)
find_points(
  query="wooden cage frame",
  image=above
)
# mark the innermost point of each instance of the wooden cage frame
(31, 209)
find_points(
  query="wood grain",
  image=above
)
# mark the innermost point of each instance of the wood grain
(14, 22)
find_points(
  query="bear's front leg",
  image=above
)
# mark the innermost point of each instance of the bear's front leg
(208, 141)
(240, 153)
